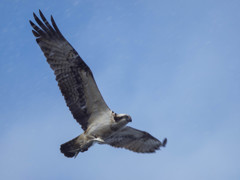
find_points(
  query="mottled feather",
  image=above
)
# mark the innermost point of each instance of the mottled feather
(135, 140)
(74, 77)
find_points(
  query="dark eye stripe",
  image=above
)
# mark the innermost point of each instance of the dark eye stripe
(119, 118)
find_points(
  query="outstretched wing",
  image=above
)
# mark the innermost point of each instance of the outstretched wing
(135, 140)
(74, 77)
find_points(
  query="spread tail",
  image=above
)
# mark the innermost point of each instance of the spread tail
(73, 147)
(70, 148)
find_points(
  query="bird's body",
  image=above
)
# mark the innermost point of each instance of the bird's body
(82, 96)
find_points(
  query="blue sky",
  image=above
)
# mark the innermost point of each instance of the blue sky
(172, 65)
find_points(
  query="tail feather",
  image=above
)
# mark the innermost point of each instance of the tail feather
(70, 148)
(73, 147)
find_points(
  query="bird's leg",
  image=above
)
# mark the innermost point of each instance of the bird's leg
(97, 139)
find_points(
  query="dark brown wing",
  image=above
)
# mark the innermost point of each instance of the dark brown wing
(74, 77)
(135, 140)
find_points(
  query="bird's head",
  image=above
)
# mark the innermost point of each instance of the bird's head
(122, 117)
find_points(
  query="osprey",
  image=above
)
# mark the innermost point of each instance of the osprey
(76, 82)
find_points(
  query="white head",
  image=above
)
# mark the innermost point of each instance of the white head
(124, 117)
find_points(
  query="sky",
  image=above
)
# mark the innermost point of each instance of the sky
(172, 65)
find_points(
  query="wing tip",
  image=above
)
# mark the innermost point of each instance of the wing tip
(164, 143)
(35, 33)
(34, 15)
(40, 12)
(32, 24)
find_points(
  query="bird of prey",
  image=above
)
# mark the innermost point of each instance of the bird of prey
(84, 100)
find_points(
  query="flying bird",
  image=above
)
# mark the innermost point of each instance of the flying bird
(76, 82)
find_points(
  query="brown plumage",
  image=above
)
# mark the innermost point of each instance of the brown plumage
(82, 96)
